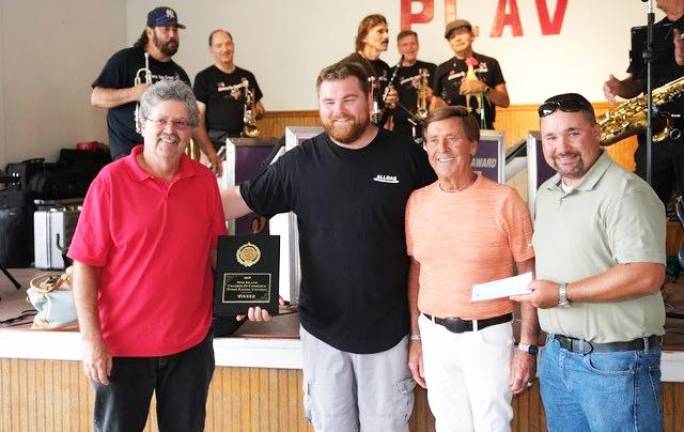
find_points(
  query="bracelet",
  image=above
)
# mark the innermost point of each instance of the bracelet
(415, 337)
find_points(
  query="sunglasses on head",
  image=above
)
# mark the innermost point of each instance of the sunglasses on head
(570, 102)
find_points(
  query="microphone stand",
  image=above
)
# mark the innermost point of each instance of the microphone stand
(648, 58)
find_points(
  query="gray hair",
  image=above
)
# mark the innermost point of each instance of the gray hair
(164, 90)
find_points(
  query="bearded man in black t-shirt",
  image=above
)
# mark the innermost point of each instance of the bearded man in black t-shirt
(130, 71)
(221, 91)
(348, 188)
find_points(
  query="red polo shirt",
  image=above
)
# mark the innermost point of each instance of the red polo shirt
(151, 241)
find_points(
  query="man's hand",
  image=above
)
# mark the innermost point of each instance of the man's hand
(469, 87)
(523, 368)
(392, 98)
(612, 88)
(415, 362)
(215, 164)
(139, 89)
(260, 315)
(97, 361)
(544, 295)
(678, 47)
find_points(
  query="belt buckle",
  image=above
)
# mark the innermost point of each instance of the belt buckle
(581, 344)
(456, 325)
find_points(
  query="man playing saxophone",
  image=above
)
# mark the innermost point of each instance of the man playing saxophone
(413, 77)
(229, 97)
(469, 78)
(130, 71)
(668, 155)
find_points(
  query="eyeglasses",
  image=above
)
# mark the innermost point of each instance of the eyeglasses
(177, 124)
(570, 102)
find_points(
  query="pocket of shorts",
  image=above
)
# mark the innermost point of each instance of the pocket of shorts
(612, 363)
(404, 407)
(497, 335)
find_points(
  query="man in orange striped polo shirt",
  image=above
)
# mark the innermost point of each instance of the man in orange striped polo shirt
(462, 230)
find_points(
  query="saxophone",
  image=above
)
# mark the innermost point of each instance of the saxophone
(631, 116)
(422, 108)
(250, 129)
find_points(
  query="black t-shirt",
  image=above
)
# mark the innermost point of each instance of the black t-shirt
(448, 77)
(120, 72)
(406, 82)
(350, 212)
(224, 97)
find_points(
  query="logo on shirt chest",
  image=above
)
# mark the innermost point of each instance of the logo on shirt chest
(382, 178)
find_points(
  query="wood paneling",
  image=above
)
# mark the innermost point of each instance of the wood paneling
(47, 395)
(515, 121)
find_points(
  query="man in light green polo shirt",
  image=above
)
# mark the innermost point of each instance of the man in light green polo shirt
(600, 245)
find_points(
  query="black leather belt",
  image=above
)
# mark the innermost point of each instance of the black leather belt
(582, 346)
(457, 325)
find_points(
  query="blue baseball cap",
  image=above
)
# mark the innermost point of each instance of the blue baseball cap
(163, 17)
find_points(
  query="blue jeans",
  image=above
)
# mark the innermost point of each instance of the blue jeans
(606, 391)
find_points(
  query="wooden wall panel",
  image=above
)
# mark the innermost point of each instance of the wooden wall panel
(515, 121)
(46, 395)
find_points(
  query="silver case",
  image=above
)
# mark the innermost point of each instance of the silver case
(52, 232)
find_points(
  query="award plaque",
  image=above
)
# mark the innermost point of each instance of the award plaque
(247, 269)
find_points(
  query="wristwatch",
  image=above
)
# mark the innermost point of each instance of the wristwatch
(563, 295)
(529, 349)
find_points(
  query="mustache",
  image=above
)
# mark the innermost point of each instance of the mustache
(171, 137)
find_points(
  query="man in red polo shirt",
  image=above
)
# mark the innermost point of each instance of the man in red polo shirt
(143, 253)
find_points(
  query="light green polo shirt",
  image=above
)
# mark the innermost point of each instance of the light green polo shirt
(610, 217)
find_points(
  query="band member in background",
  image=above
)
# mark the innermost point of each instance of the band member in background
(469, 78)
(348, 187)
(150, 59)
(143, 253)
(372, 39)
(466, 229)
(599, 241)
(408, 82)
(221, 90)
(668, 155)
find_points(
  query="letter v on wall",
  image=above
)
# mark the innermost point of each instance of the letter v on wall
(548, 25)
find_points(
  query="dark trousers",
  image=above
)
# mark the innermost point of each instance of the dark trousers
(180, 382)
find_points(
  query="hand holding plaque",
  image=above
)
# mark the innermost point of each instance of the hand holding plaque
(247, 271)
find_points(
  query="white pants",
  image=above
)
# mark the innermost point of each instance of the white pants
(347, 392)
(467, 377)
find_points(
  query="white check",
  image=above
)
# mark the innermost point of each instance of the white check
(505, 287)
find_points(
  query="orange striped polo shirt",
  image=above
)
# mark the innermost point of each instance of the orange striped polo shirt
(463, 238)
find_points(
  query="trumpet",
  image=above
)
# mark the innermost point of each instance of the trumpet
(250, 129)
(142, 76)
(422, 106)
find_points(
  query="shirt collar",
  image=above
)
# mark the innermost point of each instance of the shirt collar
(186, 168)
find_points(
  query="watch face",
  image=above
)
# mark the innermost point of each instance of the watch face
(534, 349)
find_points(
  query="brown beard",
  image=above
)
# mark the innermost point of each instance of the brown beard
(168, 49)
(345, 135)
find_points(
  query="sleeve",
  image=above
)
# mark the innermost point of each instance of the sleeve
(272, 191)
(437, 82)
(497, 76)
(92, 241)
(201, 88)
(114, 74)
(184, 76)
(636, 226)
(516, 223)
(257, 90)
(425, 175)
